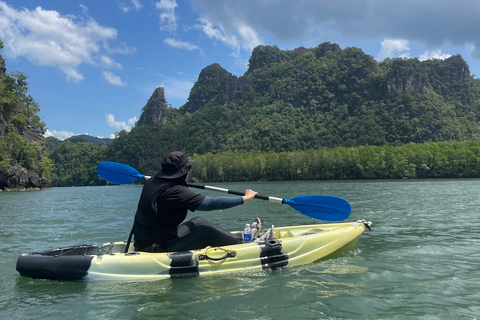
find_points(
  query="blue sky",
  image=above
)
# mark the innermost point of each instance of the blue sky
(93, 64)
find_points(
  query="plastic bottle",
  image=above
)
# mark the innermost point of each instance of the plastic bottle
(247, 233)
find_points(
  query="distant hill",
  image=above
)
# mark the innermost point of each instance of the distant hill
(288, 100)
(308, 98)
(89, 138)
(52, 142)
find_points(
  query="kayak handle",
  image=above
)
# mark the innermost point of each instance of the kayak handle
(228, 254)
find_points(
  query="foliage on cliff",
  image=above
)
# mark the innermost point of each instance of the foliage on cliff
(312, 98)
(318, 113)
(23, 163)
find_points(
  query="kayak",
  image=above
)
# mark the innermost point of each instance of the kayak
(291, 246)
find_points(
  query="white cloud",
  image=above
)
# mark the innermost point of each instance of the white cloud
(470, 47)
(121, 48)
(61, 135)
(120, 125)
(393, 48)
(217, 33)
(137, 4)
(113, 79)
(428, 23)
(124, 7)
(109, 63)
(84, 8)
(48, 133)
(127, 7)
(249, 37)
(434, 54)
(168, 18)
(47, 38)
(239, 35)
(174, 43)
(71, 73)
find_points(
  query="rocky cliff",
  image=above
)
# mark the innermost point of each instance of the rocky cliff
(23, 164)
(442, 76)
(155, 111)
(270, 64)
(214, 84)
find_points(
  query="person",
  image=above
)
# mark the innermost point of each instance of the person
(163, 206)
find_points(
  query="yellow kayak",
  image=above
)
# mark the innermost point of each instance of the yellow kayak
(291, 246)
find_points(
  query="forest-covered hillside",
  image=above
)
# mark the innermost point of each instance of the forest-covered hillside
(23, 162)
(316, 113)
(308, 99)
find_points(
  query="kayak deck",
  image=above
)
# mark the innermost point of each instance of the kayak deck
(295, 245)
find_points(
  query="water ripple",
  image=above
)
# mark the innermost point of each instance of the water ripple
(420, 261)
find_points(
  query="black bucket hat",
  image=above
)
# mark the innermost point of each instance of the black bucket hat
(175, 165)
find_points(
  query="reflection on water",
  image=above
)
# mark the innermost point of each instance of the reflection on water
(420, 260)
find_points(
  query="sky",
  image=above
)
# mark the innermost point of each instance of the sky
(93, 65)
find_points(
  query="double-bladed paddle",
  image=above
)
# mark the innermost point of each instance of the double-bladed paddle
(321, 207)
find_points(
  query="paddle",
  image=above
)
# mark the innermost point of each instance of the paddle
(321, 207)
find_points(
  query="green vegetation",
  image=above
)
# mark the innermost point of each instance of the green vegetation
(87, 138)
(305, 114)
(75, 164)
(321, 113)
(410, 161)
(21, 146)
(313, 98)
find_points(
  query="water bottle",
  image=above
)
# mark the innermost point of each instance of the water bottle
(247, 233)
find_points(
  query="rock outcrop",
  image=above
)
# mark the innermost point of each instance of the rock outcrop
(19, 179)
(21, 149)
(214, 83)
(155, 111)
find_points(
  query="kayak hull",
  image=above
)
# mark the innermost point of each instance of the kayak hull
(291, 246)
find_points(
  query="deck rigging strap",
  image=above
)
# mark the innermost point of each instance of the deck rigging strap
(128, 241)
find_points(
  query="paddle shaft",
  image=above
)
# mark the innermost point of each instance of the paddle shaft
(238, 193)
(321, 207)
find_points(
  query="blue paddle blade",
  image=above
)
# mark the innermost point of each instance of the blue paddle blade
(321, 207)
(118, 173)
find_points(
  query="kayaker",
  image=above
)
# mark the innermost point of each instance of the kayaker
(163, 206)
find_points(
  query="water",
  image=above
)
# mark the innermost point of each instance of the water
(420, 261)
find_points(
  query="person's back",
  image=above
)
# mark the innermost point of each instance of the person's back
(164, 204)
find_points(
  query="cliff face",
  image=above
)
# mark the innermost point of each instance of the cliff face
(21, 144)
(406, 76)
(312, 98)
(3, 70)
(19, 179)
(16, 177)
(155, 111)
(270, 66)
(442, 76)
(214, 83)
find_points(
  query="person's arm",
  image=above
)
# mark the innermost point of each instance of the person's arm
(218, 203)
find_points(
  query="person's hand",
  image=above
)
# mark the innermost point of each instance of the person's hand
(249, 195)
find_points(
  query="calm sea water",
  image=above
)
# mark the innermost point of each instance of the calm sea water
(420, 261)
